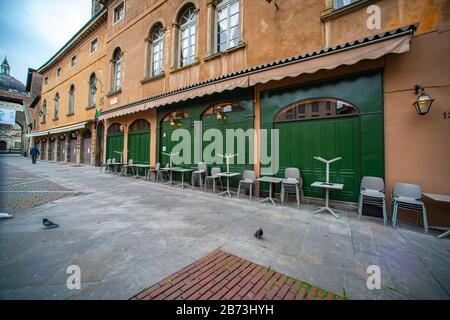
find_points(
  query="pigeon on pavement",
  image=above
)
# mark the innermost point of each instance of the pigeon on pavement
(49, 224)
(259, 233)
(4, 215)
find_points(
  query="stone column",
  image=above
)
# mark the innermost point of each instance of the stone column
(94, 146)
(210, 27)
(57, 148)
(49, 150)
(125, 142)
(78, 152)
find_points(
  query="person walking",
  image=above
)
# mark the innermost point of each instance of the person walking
(34, 154)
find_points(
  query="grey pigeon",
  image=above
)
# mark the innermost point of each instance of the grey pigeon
(259, 233)
(49, 224)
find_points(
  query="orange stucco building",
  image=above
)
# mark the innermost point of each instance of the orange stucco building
(158, 59)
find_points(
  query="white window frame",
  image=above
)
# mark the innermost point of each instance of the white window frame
(226, 4)
(191, 55)
(96, 47)
(117, 81)
(46, 81)
(56, 107)
(92, 97)
(114, 13)
(71, 101)
(154, 43)
(73, 61)
(336, 7)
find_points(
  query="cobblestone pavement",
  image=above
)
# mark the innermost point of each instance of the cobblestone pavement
(20, 189)
(127, 234)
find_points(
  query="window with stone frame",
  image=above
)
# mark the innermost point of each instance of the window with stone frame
(155, 52)
(116, 70)
(187, 36)
(119, 12)
(227, 24)
(92, 91)
(56, 107)
(71, 110)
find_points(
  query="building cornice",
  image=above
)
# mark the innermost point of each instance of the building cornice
(93, 24)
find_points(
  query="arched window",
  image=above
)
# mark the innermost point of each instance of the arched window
(71, 100)
(139, 125)
(115, 128)
(316, 108)
(156, 50)
(56, 107)
(116, 70)
(44, 111)
(92, 90)
(227, 24)
(186, 38)
(223, 108)
(176, 115)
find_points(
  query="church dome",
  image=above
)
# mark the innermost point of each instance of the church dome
(8, 82)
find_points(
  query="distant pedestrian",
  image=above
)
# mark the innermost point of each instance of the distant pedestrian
(34, 154)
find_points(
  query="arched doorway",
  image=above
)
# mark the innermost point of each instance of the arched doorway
(44, 150)
(171, 122)
(3, 145)
(52, 149)
(139, 141)
(232, 116)
(114, 142)
(62, 148)
(73, 147)
(323, 127)
(87, 138)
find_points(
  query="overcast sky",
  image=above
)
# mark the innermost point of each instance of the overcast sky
(31, 31)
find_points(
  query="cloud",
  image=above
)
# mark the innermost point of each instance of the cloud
(33, 30)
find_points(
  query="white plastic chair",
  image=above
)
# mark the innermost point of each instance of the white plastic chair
(213, 177)
(294, 182)
(199, 174)
(106, 165)
(249, 180)
(372, 192)
(125, 167)
(408, 196)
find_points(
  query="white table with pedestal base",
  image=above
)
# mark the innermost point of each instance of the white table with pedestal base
(227, 175)
(182, 171)
(440, 198)
(327, 187)
(271, 181)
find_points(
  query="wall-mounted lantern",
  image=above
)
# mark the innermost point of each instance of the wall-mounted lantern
(423, 102)
(74, 134)
(220, 115)
(174, 123)
(121, 128)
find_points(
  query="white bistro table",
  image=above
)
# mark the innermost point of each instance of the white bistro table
(327, 187)
(170, 170)
(182, 171)
(228, 175)
(146, 168)
(439, 198)
(271, 181)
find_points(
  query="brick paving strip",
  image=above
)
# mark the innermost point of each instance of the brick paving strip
(223, 276)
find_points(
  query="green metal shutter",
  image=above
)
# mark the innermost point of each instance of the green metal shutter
(114, 142)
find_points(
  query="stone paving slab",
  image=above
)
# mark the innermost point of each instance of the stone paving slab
(126, 234)
(223, 276)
